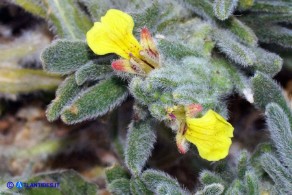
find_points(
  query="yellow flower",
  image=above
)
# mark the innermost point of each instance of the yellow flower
(114, 34)
(211, 134)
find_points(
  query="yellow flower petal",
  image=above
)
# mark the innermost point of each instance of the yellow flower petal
(211, 134)
(114, 34)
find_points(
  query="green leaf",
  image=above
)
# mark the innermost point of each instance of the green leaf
(243, 32)
(208, 177)
(166, 189)
(280, 174)
(156, 179)
(276, 34)
(212, 189)
(92, 71)
(139, 144)
(242, 164)
(236, 188)
(64, 96)
(15, 81)
(120, 186)
(236, 51)
(271, 6)
(224, 8)
(252, 183)
(203, 8)
(280, 130)
(175, 50)
(255, 157)
(138, 187)
(64, 56)
(95, 101)
(266, 90)
(116, 172)
(145, 17)
(267, 62)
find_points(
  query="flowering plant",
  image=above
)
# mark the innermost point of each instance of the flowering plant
(190, 57)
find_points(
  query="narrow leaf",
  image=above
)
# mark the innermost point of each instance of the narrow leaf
(224, 8)
(242, 164)
(139, 144)
(252, 183)
(242, 31)
(280, 175)
(267, 62)
(176, 50)
(214, 189)
(95, 101)
(276, 34)
(203, 8)
(64, 95)
(65, 56)
(236, 51)
(92, 71)
(139, 188)
(262, 96)
(116, 172)
(153, 179)
(120, 186)
(279, 127)
(208, 177)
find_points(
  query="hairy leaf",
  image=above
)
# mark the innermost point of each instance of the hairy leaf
(154, 179)
(64, 96)
(280, 130)
(214, 189)
(236, 51)
(224, 8)
(242, 164)
(139, 144)
(267, 62)
(116, 172)
(120, 186)
(139, 188)
(95, 101)
(92, 71)
(280, 174)
(251, 183)
(208, 177)
(266, 90)
(65, 56)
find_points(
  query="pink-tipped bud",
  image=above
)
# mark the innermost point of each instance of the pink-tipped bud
(123, 66)
(193, 110)
(148, 43)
